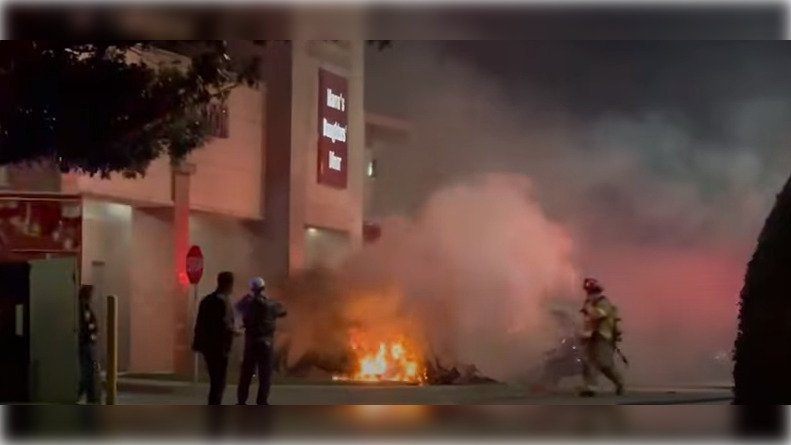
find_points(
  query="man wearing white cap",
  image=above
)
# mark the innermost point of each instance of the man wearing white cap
(259, 315)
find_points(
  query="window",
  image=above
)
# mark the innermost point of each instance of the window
(216, 115)
(372, 168)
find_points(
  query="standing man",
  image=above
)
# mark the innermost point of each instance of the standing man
(89, 333)
(259, 315)
(599, 337)
(214, 332)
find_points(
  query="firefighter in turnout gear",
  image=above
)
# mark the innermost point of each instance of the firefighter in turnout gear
(599, 337)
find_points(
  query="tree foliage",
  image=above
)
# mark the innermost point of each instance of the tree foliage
(101, 107)
(762, 355)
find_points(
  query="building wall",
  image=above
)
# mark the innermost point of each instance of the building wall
(232, 175)
(275, 231)
(228, 176)
(137, 270)
(369, 184)
(107, 231)
(41, 177)
(325, 248)
(227, 244)
(4, 178)
(231, 244)
(153, 189)
(252, 197)
(151, 274)
(388, 143)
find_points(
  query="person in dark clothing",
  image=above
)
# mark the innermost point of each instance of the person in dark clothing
(259, 315)
(214, 332)
(89, 333)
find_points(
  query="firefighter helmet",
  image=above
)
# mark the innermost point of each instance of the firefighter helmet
(592, 285)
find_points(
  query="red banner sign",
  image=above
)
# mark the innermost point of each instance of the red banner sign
(333, 129)
(36, 224)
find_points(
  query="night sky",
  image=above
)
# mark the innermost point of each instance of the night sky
(692, 81)
(700, 122)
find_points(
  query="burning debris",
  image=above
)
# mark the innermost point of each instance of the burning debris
(469, 375)
(387, 361)
(359, 336)
(400, 361)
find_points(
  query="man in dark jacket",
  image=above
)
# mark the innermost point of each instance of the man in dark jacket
(89, 332)
(214, 332)
(259, 315)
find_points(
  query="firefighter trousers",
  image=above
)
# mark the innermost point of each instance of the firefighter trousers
(600, 358)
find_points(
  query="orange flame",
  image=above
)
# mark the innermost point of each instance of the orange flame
(383, 361)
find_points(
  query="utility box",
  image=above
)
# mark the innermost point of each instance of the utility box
(38, 331)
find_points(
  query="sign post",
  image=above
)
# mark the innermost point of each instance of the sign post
(194, 273)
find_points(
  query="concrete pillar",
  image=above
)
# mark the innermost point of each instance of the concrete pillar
(182, 358)
(293, 197)
(276, 229)
(314, 204)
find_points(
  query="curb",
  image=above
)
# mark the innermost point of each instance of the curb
(690, 401)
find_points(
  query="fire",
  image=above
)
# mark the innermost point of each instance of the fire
(383, 361)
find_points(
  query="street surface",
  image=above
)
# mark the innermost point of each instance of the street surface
(355, 411)
(138, 392)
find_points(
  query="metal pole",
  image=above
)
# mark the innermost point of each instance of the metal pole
(112, 349)
(194, 319)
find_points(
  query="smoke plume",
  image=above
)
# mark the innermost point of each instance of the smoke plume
(471, 276)
(660, 160)
(650, 166)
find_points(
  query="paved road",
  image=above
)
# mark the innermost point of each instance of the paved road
(147, 393)
(381, 411)
(415, 411)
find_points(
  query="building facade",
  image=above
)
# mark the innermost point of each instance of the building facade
(280, 189)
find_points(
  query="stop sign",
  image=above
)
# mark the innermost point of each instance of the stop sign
(194, 264)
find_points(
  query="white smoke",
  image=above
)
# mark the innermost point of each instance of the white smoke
(471, 277)
(665, 217)
(478, 268)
